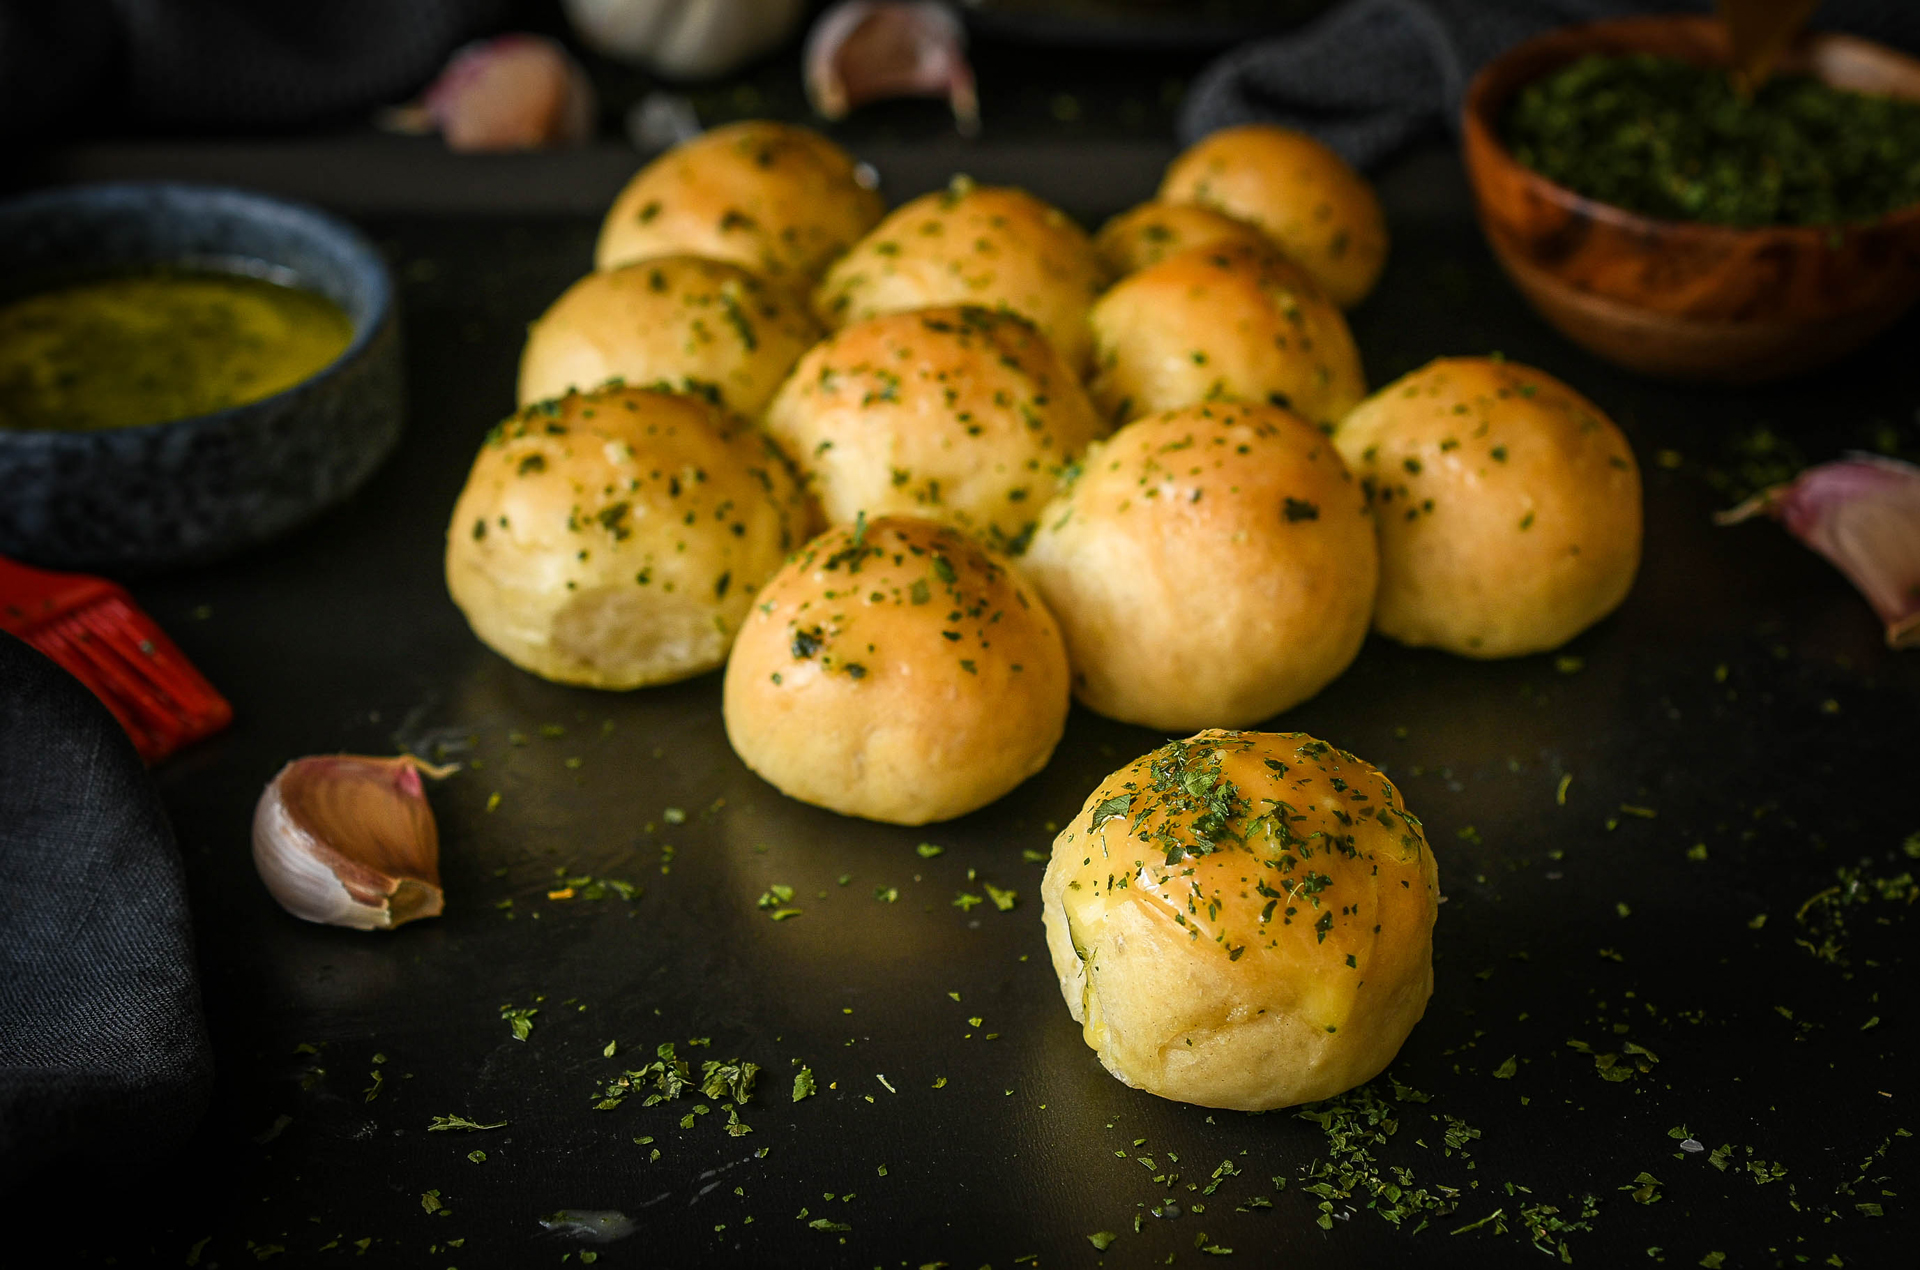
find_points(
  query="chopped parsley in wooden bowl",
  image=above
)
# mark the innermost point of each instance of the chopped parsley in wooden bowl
(1670, 138)
(1670, 227)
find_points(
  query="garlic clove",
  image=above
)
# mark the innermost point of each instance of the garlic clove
(1863, 514)
(683, 39)
(512, 92)
(350, 841)
(868, 50)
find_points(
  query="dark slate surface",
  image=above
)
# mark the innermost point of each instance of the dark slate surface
(1742, 697)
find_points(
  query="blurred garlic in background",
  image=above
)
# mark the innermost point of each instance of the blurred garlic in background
(1863, 514)
(869, 50)
(661, 120)
(683, 39)
(512, 92)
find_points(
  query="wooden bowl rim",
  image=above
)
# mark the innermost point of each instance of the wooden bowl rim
(1489, 92)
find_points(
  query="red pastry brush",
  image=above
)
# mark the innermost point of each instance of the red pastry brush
(92, 628)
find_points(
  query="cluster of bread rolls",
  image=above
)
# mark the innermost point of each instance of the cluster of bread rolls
(1237, 919)
(762, 350)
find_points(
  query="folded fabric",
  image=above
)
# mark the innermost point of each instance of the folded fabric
(1371, 76)
(103, 1047)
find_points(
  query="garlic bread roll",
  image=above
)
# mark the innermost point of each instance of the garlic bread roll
(1508, 507)
(615, 538)
(776, 199)
(1149, 233)
(972, 244)
(1323, 214)
(1237, 321)
(1243, 920)
(958, 413)
(1210, 566)
(896, 670)
(694, 325)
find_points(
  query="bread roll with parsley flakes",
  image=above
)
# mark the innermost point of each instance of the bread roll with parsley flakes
(898, 671)
(1210, 566)
(776, 199)
(1235, 321)
(1243, 920)
(1149, 233)
(972, 244)
(1306, 197)
(959, 413)
(615, 538)
(692, 324)
(1508, 507)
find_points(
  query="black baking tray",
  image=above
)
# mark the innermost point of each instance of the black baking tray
(1638, 842)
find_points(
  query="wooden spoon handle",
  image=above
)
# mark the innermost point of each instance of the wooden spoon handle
(1760, 31)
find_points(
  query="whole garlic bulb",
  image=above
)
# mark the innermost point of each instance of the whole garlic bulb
(350, 841)
(685, 39)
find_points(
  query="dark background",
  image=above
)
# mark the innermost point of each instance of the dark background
(1742, 695)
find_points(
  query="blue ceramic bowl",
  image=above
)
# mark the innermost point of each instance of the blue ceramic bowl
(190, 490)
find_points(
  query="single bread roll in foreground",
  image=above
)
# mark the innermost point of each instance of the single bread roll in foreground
(897, 671)
(1233, 321)
(972, 244)
(1151, 232)
(1243, 920)
(615, 538)
(1508, 507)
(779, 200)
(1322, 213)
(958, 413)
(694, 325)
(1210, 566)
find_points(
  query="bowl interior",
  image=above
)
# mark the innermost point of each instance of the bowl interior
(1840, 61)
(61, 236)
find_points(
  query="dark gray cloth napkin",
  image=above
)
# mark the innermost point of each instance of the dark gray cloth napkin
(103, 1048)
(1371, 76)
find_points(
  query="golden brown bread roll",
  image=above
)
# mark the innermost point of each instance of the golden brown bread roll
(1147, 234)
(1508, 507)
(692, 324)
(895, 670)
(1210, 566)
(779, 200)
(1322, 213)
(615, 538)
(959, 413)
(1243, 920)
(972, 244)
(1235, 321)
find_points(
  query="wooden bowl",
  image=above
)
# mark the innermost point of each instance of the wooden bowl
(1683, 299)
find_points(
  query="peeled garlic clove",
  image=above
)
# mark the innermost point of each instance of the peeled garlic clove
(1863, 514)
(350, 841)
(868, 50)
(512, 92)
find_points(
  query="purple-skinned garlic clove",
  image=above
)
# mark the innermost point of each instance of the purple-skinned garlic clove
(1863, 514)
(512, 92)
(869, 50)
(349, 840)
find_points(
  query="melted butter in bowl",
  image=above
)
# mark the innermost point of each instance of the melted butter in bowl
(154, 346)
(163, 400)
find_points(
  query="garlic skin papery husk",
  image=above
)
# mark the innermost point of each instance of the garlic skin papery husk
(1863, 514)
(350, 841)
(685, 39)
(869, 50)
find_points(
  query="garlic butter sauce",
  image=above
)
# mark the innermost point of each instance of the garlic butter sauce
(147, 347)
